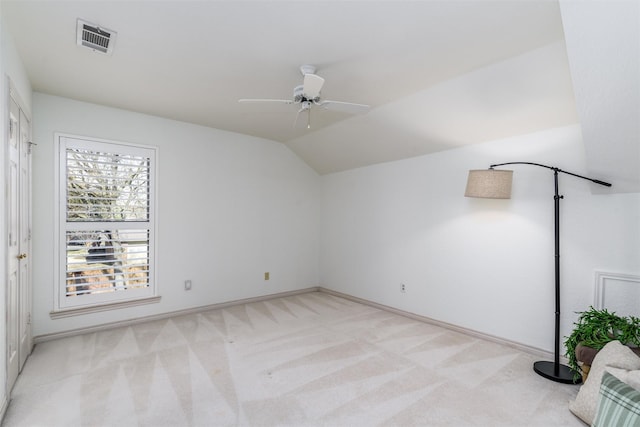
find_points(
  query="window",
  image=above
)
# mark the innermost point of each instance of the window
(106, 222)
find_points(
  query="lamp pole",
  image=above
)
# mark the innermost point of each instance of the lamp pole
(554, 370)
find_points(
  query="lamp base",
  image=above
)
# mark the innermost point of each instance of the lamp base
(563, 375)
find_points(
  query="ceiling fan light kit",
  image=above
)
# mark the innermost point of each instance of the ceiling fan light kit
(308, 94)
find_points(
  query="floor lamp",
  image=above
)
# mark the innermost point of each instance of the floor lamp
(496, 184)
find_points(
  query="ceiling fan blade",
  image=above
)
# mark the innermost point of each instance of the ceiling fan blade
(312, 86)
(281, 101)
(344, 107)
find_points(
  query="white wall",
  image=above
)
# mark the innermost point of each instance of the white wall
(487, 265)
(603, 47)
(231, 207)
(10, 67)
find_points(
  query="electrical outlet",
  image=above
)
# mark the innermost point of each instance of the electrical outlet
(266, 275)
(403, 287)
(187, 285)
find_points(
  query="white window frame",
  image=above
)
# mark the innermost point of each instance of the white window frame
(64, 305)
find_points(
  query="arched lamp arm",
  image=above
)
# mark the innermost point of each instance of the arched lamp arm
(596, 181)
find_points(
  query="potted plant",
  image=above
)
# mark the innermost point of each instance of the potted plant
(595, 328)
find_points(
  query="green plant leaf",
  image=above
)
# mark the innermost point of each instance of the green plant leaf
(595, 328)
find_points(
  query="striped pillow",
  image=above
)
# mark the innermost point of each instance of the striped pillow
(619, 404)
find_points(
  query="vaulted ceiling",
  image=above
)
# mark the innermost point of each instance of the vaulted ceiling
(438, 74)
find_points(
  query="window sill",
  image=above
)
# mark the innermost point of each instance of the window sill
(69, 312)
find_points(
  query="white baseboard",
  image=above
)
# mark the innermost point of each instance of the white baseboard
(523, 347)
(3, 408)
(513, 344)
(111, 325)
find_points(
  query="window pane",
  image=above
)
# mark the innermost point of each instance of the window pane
(106, 187)
(100, 261)
(106, 246)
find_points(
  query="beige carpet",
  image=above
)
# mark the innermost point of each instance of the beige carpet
(307, 360)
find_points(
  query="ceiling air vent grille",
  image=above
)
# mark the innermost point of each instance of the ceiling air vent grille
(95, 38)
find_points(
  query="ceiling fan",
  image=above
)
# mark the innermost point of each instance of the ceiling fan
(308, 94)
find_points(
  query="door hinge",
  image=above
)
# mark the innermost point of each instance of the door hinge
(28, 318)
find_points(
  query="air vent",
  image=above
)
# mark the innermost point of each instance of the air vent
(95, 38)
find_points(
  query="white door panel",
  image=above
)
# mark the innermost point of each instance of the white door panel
(24, 240)
(19, 341)
(13, 263)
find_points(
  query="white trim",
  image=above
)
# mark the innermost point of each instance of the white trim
(13, 93)
(78, 311)
(64, 308)
(57, 197)
(470, 332)
(602, 278)
(3, 408)
(513, 344)
(111, 325)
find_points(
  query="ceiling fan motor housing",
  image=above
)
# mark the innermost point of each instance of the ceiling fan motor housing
(298, 95)
(307, 69)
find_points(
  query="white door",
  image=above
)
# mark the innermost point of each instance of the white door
(19, 341)
(14, 254)
(24, 241)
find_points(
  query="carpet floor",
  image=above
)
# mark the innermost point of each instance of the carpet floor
(312, 359)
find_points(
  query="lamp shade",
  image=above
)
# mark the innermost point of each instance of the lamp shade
(489, 184)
